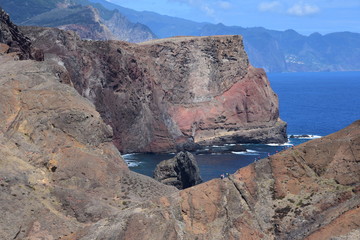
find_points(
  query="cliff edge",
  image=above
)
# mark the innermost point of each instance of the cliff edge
(171, 94)
(307, 192)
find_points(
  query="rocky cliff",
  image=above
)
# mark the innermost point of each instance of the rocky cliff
(62, 178)
(59, 170)
(307, 192)
(11, 39)
(170, 94)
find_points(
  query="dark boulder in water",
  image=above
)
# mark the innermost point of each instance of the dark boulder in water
(181, 171)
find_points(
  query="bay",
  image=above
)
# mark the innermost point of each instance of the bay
(314, 104)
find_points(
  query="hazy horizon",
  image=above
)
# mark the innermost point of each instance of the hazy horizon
(305, 17)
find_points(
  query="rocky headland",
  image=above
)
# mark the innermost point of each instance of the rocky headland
(171, 94)
(61, 177)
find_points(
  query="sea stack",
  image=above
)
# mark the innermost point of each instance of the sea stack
(180, 171)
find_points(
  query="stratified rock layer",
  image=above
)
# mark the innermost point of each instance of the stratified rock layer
(180, 171)
(311, 191)
(170, 94)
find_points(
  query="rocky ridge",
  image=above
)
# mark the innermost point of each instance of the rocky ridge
(11, 40)
(307, 192)
(172, 94)
(88, 20)
(59, 170)
(62, 178)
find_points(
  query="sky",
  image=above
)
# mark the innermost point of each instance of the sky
(304, 16)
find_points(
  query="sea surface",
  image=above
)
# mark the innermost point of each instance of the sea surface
(315, 104)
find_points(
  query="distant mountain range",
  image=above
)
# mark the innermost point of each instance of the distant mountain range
(90, 22)
(275, 51)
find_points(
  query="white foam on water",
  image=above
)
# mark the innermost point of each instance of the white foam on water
(128, 155)
(133, 163)
(251, 151)
(279, 144)
(246, 153)
(229, 144)
(309, 136)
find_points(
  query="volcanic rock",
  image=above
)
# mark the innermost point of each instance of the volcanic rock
(13, 41)
(171, 94)
(59, 170)
(311, 191)
(181, 171)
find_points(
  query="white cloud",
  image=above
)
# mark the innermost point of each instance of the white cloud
(301, 9)
(208, 10)
(269, 6)
(224, 4)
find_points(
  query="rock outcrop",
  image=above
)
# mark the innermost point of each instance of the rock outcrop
(180, 171)
(61, 177)
(12, 40)
(311, 191)
(59, 170)
(169, 95)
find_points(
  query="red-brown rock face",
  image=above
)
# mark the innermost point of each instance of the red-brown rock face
(308, 192)
(59, 170)
(170, 94)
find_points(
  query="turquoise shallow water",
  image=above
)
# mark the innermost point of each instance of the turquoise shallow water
(311, 103)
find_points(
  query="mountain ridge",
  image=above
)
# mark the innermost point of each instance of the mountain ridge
(268, 49)
(90, 21)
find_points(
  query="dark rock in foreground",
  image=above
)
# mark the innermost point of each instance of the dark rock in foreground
(181, 171)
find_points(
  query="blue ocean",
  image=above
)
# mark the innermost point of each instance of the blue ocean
(314, 104)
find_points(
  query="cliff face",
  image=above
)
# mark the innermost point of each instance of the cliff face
(308, 192)
(170, 94)
(59, 170)
(62, 178)
(11, 40)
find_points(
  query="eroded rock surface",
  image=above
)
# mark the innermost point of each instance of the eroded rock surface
(59, 170)
(11, 39)
(180, 171)
(61, 177)
(170, 94)
(308, 192)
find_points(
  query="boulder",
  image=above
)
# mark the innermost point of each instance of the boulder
(181, 171)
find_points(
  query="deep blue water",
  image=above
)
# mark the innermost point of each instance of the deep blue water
(317, 103)
(311, 103)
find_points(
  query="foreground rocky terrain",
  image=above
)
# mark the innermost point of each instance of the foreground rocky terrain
(307, 192)
(172, 94)
(61, 177)
(59, 170)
